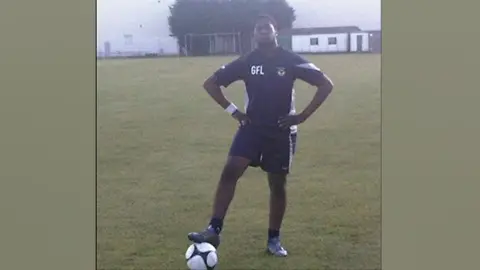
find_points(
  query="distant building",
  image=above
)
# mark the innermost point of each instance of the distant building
(375, 40)
(134, 28)
(326, 39)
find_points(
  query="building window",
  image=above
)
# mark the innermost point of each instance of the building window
(332, 41)
(313, 41)
(128, 39)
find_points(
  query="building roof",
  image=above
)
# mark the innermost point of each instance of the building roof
(320, 30)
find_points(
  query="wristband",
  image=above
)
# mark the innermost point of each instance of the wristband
(231, 109)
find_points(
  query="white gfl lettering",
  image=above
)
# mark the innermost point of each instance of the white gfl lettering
(257, 70)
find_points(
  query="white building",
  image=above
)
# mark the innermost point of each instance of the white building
(139, 27)
(360, 42)
(326, 39)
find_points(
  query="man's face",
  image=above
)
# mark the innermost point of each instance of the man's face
(264, 31)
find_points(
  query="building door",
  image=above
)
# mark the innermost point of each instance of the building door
(360, 43)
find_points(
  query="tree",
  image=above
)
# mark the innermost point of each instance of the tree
(225, 16)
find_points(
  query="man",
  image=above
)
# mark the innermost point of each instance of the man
(267, 133)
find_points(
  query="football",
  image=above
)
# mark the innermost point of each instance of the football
(201, 256)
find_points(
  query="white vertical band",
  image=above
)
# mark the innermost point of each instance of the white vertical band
(231, 109)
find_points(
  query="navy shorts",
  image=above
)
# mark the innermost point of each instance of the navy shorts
(272, 150)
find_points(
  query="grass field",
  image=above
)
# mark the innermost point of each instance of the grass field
(162, 143)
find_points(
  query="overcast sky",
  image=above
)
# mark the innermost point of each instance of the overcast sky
(310, 13)
(319, 13)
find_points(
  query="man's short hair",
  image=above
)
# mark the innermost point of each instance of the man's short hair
(267, 17)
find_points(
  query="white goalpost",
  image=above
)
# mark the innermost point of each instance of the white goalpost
(212, 44)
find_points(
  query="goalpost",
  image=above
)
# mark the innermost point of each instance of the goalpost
(212, 44)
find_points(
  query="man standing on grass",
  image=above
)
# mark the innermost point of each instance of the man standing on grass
(268, 128)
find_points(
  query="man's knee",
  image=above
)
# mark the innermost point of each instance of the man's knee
(234, 169)
(277, 183)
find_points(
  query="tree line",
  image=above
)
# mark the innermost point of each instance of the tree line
(225, 16)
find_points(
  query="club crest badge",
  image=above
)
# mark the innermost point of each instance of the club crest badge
(281, 71)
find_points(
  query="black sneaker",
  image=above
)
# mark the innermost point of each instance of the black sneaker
(206, 236)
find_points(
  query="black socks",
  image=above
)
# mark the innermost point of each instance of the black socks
(216, 224)
(273, 233)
